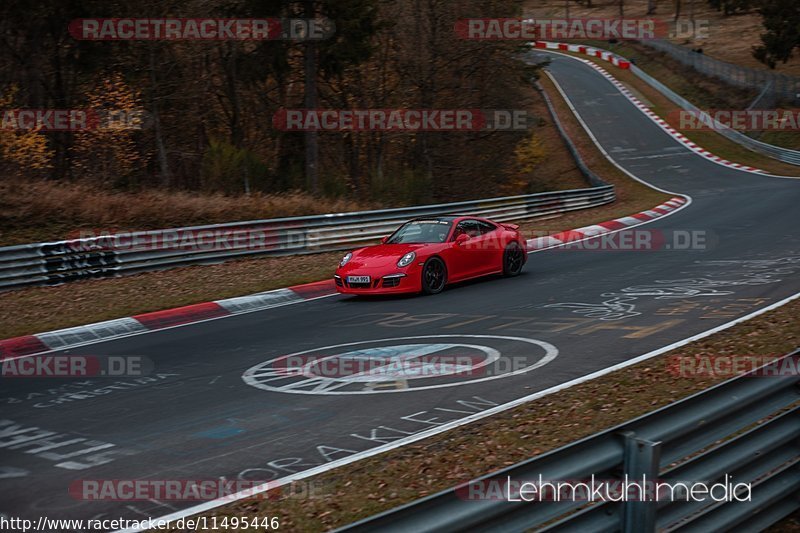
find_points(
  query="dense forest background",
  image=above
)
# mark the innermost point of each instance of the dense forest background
(210, 104)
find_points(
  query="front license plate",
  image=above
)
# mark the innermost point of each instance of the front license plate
(358, 279)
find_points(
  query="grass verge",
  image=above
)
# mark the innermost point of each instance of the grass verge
(366, 487)
(38, 309)
(42, 211)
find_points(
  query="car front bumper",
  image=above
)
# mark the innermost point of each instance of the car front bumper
(380, 283)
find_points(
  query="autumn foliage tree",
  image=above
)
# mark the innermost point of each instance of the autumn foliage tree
(209, 104)
(107, 151)
(21, 150)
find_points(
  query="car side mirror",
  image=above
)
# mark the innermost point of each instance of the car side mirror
(384, 239)
(461, 239)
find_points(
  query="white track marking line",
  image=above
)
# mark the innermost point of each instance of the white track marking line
(208, 506)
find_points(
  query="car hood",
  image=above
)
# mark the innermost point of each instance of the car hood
(382, 255)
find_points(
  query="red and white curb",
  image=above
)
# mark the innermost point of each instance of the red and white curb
(605, 55)
(574, 235)
(123, 327)
(663, 124)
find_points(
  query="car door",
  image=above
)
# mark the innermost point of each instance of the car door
(469, 258)
(490, 246)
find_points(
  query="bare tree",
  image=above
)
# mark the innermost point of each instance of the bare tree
(310, 102)
(161, 149)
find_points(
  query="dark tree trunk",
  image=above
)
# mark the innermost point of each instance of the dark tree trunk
(161, 149)
(310, 102)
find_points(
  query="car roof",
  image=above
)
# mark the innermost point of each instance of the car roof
(449, 218)
(436, 218)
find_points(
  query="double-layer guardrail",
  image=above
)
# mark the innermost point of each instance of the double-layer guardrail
(747, 428)
(113, 255)
(783, 87)
(776, 152)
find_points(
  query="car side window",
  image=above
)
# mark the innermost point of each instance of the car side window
(485, 227)
(468, 227)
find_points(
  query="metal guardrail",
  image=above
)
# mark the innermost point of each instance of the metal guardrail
(782, 154)
(594, 179)
(105, 256)
(782, 86)
(747, 427)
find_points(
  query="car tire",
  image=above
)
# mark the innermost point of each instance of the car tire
(434, 276)
(513, 260)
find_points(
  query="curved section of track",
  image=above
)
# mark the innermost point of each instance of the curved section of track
(571, 313)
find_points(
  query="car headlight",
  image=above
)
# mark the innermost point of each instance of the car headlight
(345, 259)
(407, 259)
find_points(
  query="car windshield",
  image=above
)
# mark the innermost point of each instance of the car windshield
(419, 231)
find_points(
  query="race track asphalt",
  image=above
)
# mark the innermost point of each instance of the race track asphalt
(572, 312)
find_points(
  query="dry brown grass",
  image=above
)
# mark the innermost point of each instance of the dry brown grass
(558, 170)
(791, 524)
(32, 211)
(38, 309)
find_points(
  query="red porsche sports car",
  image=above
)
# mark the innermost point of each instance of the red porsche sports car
(425, 254)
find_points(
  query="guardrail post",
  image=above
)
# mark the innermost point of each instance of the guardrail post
(641, 462)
